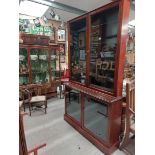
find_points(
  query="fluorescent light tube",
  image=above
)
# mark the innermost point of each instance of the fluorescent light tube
(32, 9)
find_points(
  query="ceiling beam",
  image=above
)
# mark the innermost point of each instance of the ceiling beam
(60, 6)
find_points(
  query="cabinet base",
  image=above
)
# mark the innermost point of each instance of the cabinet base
(107, 149)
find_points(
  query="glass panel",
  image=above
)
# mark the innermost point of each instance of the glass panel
(73, 104)
(55, 64)
(39, 63)
(77, 50)
(95, 118)
(103, 48)
(23, 66)
(23, 79)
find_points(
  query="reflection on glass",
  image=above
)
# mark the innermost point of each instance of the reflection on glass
(55, 64)
(23, 67)
(78, 50)
(73, 104)
(95, 118)
(103, 48)
(39, 63)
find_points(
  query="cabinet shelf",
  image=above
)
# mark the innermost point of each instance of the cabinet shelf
(24, 73)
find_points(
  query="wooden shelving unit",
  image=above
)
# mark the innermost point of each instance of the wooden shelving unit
(39, 64)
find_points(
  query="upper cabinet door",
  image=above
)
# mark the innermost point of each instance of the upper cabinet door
(23, 66)
(39, 64)
(55, 64)
(77, 50)
(103, 45)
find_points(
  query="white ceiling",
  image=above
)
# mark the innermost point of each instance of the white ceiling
(86, 5)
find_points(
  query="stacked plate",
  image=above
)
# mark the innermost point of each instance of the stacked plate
(21, 57)
(42, 57)
(34, 57)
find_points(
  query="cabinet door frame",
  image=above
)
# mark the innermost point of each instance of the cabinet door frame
(69, 51)
(49, 60)
(29, 47)
(99, 10)
(28, 60)
(122, 31)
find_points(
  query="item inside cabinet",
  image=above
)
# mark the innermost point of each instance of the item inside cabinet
(61, 35)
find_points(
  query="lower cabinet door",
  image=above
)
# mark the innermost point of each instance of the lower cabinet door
(96, 118)
(73, 101)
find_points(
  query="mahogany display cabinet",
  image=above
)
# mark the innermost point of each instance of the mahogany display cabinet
(39, 64)
(93, 95)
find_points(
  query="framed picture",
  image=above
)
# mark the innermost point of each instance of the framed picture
(61, 35)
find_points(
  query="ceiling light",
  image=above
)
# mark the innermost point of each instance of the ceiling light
(44, 18)
(52, 13)
(32, 9)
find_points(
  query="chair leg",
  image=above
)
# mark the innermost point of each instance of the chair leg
(45, 106)
(30, 108)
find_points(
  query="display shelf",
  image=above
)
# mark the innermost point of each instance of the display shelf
(24, 73)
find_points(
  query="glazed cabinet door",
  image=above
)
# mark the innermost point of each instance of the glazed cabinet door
(73, 104)
(103, 46)
(77, 50)
(23, 66)
(96, 118)
(39, 65)
(54, 64)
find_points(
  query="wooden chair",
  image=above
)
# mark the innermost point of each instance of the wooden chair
(24, 98)
(22, 141)
(38, 100)
(129, 117)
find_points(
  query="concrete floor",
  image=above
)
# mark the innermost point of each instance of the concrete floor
(60, 137)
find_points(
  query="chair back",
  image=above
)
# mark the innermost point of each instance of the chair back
(129, 114)
(22, 141)
(130, 96)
